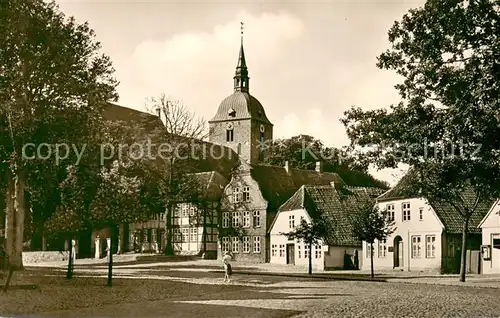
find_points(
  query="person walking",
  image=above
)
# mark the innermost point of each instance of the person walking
(226, 263)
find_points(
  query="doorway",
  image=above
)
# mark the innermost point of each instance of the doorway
(495, 252)
(290, 254)
(398, 252)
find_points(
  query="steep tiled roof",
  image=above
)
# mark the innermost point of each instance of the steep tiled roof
(448, 215)
(335, 205)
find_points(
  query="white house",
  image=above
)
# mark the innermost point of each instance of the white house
(309, 202)
(490, 249)
(427, 236)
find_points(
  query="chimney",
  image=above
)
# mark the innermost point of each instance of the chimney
(287, 167)
(319, 166)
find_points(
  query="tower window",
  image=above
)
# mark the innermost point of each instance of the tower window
(239, 149)
(229, 135)
(232, 112)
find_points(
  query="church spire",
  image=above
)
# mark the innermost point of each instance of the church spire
(241, 78)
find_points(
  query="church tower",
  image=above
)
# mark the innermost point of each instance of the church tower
(241, 122)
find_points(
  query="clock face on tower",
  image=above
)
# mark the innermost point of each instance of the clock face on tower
(229, 126)
(262, 128)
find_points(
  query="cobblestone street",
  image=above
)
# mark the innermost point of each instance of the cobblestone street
(194, 292)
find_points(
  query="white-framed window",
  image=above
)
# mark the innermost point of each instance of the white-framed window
(430, 246)
(162, 216)
(382, 248)
(416, 247)
(390, 212)
(236, 194)
(246, 194)
(246, 244)
(145, 236)
(153, 236)
(236, 219)
(246, 219)
(185, 235)
(185, 210)
(368, 250)
(318, 251)
(225, 244)
(177, 235)
(274, 250)
(291, 221)
(406, 211)
(256, 218)
(236, 244)
(282, 250)
(225, 219)
(194, 234)
(306, 251)
(191, 210)
(256, 244)
(421, 214)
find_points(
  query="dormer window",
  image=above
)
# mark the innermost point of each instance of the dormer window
(231, 112)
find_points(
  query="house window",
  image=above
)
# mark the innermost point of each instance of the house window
(177, 235)
(430, 246)
(153, 235)
(382, 249)
(291, 221)
(256, 218)
(185, 235)
(415, 246)
(298, 251)
(318, 251)
(185, 210)
(282, 250)
(229, 135)
(368, 250)
(162, 216)
(421, 214)
(236, 195)
(236, 219)
(194, 234)
(306, 251)
(145, 236)
(225, 244)
(274, 249)
(225, 219)
(191, 210)
(246, 219)
(236, 244)
(246, 244)
(256, 244)
(177, 211)
(406, 211)
(390, 212)
(246, 194)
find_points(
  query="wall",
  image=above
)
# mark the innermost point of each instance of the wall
(429, 225)
(334, 256)
(39, 257)
(490, 228)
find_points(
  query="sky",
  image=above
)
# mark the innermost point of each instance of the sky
(308, 61)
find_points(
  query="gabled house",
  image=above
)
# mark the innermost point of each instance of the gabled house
(336, 204)
(252, 199)
(490, 249)
(428, 235)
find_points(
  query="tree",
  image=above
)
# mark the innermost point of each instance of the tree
(53, 87)
(311, 233)
(369, 224)
(303, 152)
(447, 124)
(183, 132)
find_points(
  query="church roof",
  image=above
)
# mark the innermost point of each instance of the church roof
(244, 106)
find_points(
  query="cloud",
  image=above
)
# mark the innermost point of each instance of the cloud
(197, 67)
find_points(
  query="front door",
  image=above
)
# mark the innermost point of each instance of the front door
(398, 252)
(290, 254)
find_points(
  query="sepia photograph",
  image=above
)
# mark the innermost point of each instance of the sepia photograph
(238, 158)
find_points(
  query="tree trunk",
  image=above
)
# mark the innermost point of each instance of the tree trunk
(371, 260)
(14, 223)
(310, 259)
(169, 249)
(204, 230)
(121, 240)
(110, 263)
(69, 272)
(463, 256)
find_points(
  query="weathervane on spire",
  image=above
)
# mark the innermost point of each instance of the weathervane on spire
(241, 28)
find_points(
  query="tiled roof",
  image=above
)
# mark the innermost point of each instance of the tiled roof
(450, 218)
(212, 183)
(245, 106)
(335, 205)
